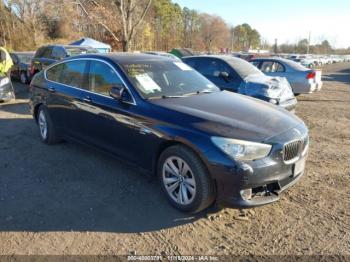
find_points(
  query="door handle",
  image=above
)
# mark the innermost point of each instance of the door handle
(52, 89)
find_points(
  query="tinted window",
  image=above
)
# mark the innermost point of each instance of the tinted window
(69, 73)
(58, 53)
(54, 73)
(73, 73)
(40, 52)
(47, 52)
(213, 67)
(102, 78)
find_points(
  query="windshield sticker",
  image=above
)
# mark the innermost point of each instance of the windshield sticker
(147, 83)
(183, 66)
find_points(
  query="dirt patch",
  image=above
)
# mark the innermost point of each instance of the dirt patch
(68, 199)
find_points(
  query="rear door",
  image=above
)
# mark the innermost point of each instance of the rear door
(65, 82)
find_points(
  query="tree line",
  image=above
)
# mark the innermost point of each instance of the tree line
(125, 24)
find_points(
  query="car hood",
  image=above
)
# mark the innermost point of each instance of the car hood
(278, 87)
(228, 115)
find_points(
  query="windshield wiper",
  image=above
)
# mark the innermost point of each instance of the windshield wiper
(165, 97)
(199, 92)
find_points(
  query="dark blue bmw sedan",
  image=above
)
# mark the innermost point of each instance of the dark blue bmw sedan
(203, 144)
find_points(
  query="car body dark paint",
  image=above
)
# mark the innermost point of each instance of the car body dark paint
(138, 132)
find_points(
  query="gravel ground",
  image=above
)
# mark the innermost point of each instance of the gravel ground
(69, 199)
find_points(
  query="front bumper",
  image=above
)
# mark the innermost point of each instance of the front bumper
(265, 179)
(262, 192)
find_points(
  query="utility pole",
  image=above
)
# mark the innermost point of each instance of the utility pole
(232, 38)
(308, 43)
(276, 46)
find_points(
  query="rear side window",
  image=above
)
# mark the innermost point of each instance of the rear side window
(272, 67)
(54, 73)
(102, 78)
(70, 73)
(47, 52)
(73, 73)
(40, 52)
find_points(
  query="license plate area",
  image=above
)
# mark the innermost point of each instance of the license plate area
(299, 167)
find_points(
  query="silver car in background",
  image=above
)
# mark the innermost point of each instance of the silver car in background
(302, 80)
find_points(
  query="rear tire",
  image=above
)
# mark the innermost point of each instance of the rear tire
(180, 170)
(47, 130)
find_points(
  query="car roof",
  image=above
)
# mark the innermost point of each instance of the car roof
(123, 57)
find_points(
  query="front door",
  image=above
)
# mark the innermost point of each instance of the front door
(106, 122)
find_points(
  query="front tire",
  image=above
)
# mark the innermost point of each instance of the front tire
(47, 130)
(185, 180)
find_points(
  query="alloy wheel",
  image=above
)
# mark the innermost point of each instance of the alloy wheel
(42, 124)
(179, 180)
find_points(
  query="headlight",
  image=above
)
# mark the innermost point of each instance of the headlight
(4, 81)
(242, 150)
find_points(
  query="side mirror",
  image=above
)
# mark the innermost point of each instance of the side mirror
(225, 76)
(117, 92)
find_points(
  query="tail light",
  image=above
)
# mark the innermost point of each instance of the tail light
(311, 75)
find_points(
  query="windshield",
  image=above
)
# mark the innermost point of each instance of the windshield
(72, 51)
(243, 68)
(164, 78)
(25, 58)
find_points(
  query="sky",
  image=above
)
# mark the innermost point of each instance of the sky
(287, 20)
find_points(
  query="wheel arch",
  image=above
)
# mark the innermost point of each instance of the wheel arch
(35, 111)
(169, 143)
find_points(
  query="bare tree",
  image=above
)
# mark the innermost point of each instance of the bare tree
(128, 14)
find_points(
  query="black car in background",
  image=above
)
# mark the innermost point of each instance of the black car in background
(21, 66)
(50, 54)
(203, 144)
(239, 76)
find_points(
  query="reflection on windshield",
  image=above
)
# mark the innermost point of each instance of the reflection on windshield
(166, 79)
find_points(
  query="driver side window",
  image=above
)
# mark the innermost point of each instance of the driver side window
(102, 78)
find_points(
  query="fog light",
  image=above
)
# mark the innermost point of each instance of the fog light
(246, 194)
